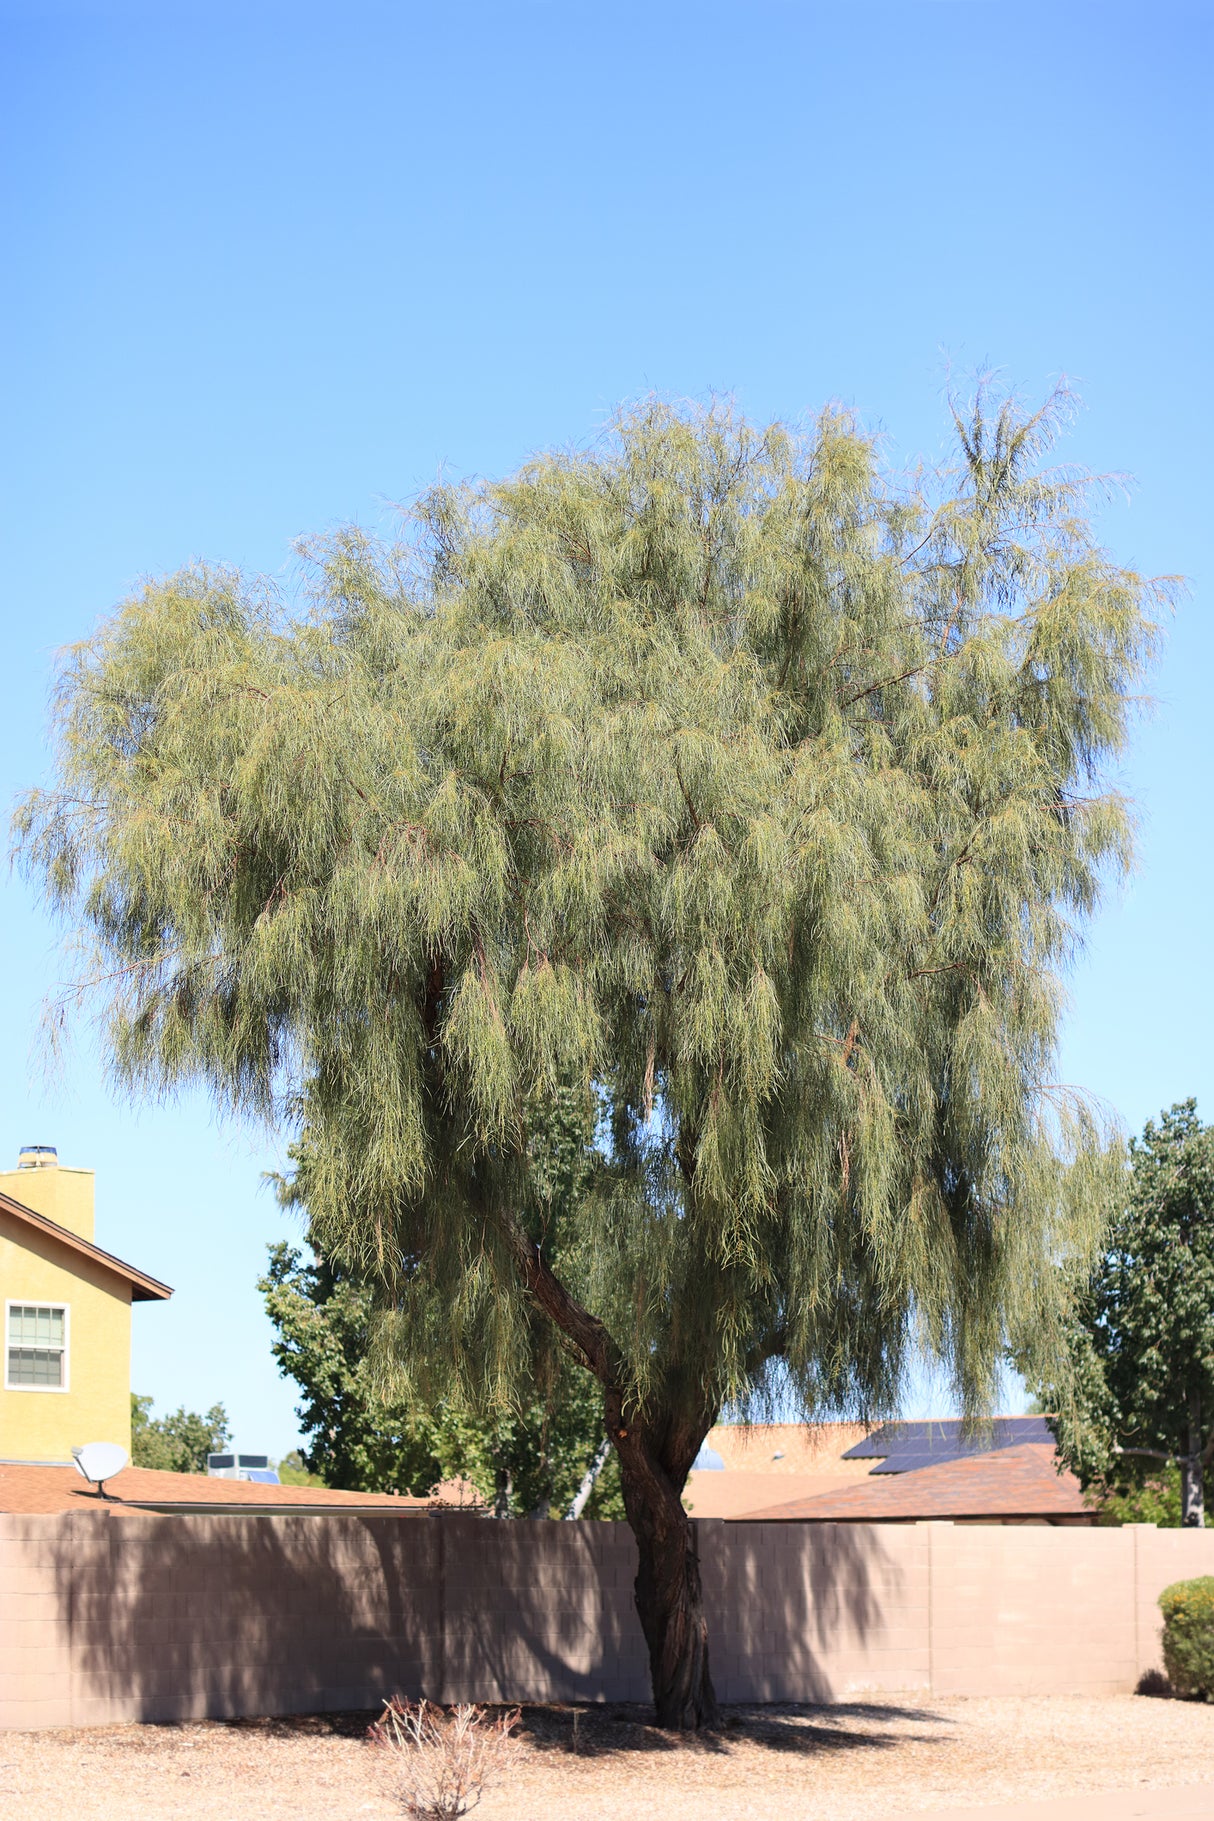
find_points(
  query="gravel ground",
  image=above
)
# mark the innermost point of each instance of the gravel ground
(868, 1759)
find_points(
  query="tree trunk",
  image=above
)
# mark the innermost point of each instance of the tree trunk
(655, 1459)
(1192, 1493)
(669, 1595)
(589, 1480)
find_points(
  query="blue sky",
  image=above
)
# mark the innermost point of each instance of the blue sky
(270, 267)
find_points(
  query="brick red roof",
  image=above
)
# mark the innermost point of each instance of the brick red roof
(769, 1463)
(44, 1489)
(1008, 1483)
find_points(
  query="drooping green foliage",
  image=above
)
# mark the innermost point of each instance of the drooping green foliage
(1140, 1391)
(1188, 1636)
(179, 1442)
(381, 1417)
(711, 770)
(711, 775)
(520, 1462)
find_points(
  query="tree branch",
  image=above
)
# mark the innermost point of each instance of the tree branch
(588, 1334)
(884, 683)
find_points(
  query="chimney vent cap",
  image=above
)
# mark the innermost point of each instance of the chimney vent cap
(37, 1157)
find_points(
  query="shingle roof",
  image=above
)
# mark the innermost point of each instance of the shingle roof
(143, 1288)
(767, 1463)
(36, 1489)
(1009, 1483)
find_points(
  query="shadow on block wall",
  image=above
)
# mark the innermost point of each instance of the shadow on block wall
(174, 1617)
(168, 1618)
(809, 1612)
(163, 1618)
(541, 1611)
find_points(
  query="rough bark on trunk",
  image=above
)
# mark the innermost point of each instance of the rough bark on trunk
(654, 1463)
(669, 1593)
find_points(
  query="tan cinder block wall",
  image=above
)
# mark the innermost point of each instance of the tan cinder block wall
(1028, 1609)
(109, 1617)
(808, 1612)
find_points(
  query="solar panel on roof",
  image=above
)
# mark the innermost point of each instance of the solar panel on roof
(905, 1447)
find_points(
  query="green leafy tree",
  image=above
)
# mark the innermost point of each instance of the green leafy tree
(1140, 1393)
(293, 1470)
(1146, 1498)
(323, 1328)
(178, 1443)
(710, 771)
(522, 1462)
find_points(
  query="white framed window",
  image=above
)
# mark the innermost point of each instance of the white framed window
(36, 1346)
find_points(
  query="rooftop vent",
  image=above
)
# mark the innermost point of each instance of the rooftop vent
(37, 1157)
(254, 1467)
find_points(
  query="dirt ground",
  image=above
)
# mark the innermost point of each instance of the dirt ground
(869, 1760)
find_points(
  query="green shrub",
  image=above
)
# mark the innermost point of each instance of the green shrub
(1152, 1497)
(1188, 1635)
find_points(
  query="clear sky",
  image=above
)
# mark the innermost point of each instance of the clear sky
(268, 267)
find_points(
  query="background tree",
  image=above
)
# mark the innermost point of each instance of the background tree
(374, 1425)
(1140, 1393)
(528, 1462)
(293, 1470)
(710, 772)
(178, 1443)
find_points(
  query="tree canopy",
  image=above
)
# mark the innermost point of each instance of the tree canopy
(712, 773)
(1139, 1397)
(178, 1442)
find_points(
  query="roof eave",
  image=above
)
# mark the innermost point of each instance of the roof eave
(144, 1289)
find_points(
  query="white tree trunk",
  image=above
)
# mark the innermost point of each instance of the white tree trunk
(1192, 1494)
(587, 1486)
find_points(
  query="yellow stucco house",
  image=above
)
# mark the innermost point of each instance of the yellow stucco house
(67, 1315)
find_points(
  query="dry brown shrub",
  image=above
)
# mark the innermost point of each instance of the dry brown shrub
(444, 1761)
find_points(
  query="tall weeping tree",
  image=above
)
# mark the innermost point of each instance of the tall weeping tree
(710, 772)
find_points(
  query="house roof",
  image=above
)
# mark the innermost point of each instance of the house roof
(789, 1447)
(37, 1490)
(735, 1494)
(903, 1447)
(143, 1288)
(1007, 1484)
(769, 1463)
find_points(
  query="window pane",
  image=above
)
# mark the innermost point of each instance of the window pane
(32, 1325)
(40, 1366)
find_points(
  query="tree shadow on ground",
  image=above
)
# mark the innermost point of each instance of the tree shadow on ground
(608, 1729)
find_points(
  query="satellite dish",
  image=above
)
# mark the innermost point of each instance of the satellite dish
(98, 1462)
